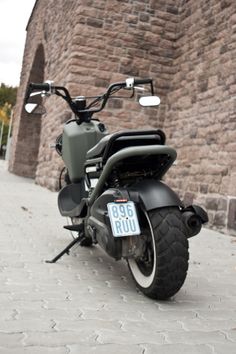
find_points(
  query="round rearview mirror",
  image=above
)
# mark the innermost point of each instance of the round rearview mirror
(35, 108)
(149, 101)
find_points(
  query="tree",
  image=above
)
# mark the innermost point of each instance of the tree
(7, 101)
(7, 94)
(5, 113)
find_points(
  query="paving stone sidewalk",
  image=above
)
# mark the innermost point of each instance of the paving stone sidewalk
(87, 303)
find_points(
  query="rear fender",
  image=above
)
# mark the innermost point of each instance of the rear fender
(154, 194)
(149, 194)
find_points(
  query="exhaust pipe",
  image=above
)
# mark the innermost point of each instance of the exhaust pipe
(193, 217)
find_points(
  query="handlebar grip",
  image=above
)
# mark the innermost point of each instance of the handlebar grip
(42, 87)
(142, 81)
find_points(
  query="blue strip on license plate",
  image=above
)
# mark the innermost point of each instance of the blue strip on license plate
(123, 217)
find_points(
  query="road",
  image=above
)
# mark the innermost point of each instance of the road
(88, 303)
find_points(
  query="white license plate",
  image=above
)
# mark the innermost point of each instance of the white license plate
(123, 217)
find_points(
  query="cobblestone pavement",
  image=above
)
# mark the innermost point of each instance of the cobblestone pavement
(87, 303)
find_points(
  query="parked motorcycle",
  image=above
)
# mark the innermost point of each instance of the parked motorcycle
(113, 193)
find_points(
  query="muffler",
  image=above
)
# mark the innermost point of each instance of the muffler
(194, 217)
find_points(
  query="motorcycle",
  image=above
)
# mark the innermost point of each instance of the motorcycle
(113, 193)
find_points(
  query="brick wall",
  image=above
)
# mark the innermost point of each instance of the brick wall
(201, 115)
(187, 47)
(87, 45)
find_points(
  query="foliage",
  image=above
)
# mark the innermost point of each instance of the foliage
(7, 94)
(5, 113)
(7, 101)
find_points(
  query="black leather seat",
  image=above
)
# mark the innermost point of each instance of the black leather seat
(112, 143)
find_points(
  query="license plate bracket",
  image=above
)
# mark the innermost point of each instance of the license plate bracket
(123, 218)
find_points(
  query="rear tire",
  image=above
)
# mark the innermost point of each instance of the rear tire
(162, 269)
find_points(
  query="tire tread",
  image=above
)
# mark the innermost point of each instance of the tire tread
(172, 253)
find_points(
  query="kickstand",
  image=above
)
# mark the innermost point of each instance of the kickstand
(67, 249)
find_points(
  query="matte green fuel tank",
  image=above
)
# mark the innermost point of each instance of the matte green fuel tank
(76, 141)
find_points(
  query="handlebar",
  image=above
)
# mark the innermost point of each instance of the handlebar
(41, 87)
(87, 112)
(142, 81)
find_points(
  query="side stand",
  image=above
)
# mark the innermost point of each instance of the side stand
(67, 249)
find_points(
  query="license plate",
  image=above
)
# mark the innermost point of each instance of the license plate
(123, 217)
